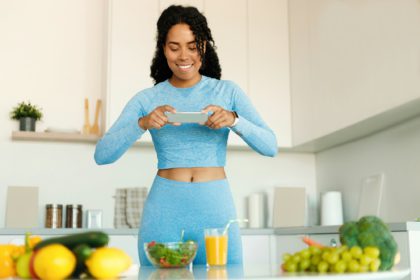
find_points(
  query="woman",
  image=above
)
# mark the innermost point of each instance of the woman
(190, 190)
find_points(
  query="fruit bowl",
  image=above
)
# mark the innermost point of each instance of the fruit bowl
(170, 254)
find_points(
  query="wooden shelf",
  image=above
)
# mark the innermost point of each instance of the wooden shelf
(53, 136)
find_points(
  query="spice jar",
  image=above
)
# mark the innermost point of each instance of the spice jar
(54, 216)
(74, 216)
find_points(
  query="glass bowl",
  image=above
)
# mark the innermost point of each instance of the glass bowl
(170, 254)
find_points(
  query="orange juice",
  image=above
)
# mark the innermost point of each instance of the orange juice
(217, 272)
(216, 249)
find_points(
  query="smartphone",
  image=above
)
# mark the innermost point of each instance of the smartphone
(187, 117)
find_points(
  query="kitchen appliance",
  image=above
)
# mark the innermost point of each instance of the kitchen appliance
(331, 208)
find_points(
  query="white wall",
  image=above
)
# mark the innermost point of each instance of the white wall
(350, 60)
(396, 152)
(53, 53)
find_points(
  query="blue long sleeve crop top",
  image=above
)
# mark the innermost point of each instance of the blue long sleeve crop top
(191, 144)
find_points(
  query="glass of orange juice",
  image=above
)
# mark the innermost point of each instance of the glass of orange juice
(216, 246)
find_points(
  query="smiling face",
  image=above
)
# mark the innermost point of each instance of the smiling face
(182, 55)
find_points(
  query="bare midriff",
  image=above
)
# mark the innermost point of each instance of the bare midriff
(194, 174)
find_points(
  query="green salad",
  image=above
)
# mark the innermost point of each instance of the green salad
(176, 254)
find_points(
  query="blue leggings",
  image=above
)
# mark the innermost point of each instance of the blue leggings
(172, 206)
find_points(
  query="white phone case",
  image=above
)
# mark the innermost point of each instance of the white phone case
(187, 117)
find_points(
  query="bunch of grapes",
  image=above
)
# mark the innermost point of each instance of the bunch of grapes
(333, 259)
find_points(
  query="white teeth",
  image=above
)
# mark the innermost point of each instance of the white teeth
(184, 66)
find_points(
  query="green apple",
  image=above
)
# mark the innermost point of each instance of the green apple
(22, 265)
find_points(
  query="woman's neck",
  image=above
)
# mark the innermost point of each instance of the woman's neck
(179, 83)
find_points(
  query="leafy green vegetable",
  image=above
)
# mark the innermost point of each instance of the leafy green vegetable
(371, 231)
(173, 254)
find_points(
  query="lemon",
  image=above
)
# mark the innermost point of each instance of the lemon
(55, 262)
(108, 262)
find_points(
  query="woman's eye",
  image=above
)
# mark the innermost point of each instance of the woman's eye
(173, 49)
(193, 48)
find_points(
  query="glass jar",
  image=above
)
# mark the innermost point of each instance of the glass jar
(54, 216)
(74, 214)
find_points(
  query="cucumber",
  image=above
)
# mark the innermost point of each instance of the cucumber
(93, 239)
(82, 253)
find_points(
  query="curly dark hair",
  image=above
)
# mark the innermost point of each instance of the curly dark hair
(159, 70)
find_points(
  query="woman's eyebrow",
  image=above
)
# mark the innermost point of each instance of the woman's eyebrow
(177, 43)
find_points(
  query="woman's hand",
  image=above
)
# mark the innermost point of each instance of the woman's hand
(157, 118)
(220, 117)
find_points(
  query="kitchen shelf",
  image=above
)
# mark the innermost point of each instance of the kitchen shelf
(53, 136)
(81, 138)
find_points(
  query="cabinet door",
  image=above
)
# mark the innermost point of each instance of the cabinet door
(199, 4)
(228, 23)
(131, 44)
(256, 249)
(268, 66)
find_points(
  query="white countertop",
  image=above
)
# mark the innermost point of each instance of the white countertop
(255, 272)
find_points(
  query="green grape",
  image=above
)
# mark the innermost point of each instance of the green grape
(323, 267)
(313, 268)
(333, 258)
(342, 249)
(286, 257)
(304, 264)
(316, 259)
(356, 252)
(374, 265)
(353, 266)
(314, 250)
(365, 260)
(372, 252)
(296, 258)
(325, 255)
(290, 266)
(363, 268)
(346, 256)
(305, 254)
(340, 266)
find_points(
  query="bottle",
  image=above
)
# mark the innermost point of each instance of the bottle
(54, 216)
(74, 216)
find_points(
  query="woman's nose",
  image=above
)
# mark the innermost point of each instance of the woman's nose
(183, 54)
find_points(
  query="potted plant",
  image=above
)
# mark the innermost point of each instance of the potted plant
(27, 114)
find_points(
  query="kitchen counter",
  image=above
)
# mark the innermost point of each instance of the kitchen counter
(395, 227)
(254, 272)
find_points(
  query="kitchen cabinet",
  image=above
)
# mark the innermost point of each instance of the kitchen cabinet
(131, 45)
(256, 249)
(268, 65)
(347, 74)
(229, 30)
